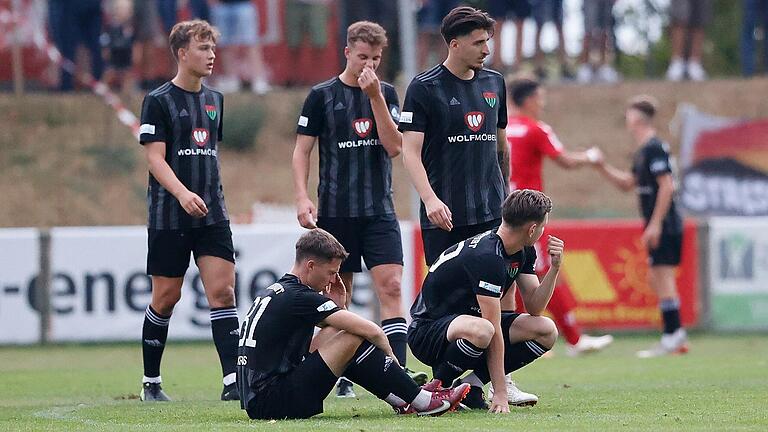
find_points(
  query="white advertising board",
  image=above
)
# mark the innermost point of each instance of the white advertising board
(19, 263)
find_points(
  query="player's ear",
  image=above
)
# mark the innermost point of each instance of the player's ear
(532, 229)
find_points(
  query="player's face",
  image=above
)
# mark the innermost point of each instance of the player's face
(360, 55)
(633, 118)
(322, 273)
(537, 101)
(472, 49)
(198, 57)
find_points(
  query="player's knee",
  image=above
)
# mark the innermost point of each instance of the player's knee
(390, 291)
(349, 340)
(224, 297)
(546, 332)
(164, 302)
(480, 332)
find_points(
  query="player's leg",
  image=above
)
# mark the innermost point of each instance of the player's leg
(215, 257)
(467, 339)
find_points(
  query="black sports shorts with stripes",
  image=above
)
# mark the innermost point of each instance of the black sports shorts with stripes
(668, 251)
(437, 240)
(428, 339)
(298, 394)
(169, 250)
(376, 239)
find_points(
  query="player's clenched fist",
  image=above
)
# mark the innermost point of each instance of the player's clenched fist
(193, 204)
(555, 248)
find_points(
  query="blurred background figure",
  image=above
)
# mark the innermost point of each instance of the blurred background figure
(75, 23)
(502, 10)
(148, 38)
(688, 18)
(384, 13)
(598, 26)
(199, 9)
(545, 11)
(755, 19)
(305, 19)
(117, 40)
(239, 47)
(429, 18)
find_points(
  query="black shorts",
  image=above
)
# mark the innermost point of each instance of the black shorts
(376, 239)
(299, 394)
(168, 250)
(503, 9)
(668, 252)
(437, 240)
(428, 339)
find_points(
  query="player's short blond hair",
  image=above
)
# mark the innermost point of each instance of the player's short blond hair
(183, 32)
(368, 32)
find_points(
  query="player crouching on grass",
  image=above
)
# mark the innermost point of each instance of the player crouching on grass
(457, 320)
(278, 376)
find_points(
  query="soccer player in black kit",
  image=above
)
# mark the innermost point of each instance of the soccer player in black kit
(652, 178)
(353, 118)
(454, 140)
(181, 123)
(457, 322)
(278, 376)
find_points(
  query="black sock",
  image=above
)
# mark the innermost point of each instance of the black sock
(670, 315)
(516, 356)
(153, 337)
(378, 374)
(397, 332)
(461, 355)
(224, 326)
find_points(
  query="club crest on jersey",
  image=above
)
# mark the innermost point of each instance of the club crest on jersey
(211, 111)
(474, 120)
(362, 127)
(513, 269)
(200, 136)
(490, 98)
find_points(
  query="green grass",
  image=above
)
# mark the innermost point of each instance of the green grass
(721, 385)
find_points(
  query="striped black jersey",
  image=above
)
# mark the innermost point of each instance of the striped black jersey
(276, 333)
(650, 161)
(477, 266)
(190, 125)
(459, 119)
(355, 169)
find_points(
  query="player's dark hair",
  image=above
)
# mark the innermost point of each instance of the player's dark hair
(521, 89)
(320, 245)
(368, 32)
(463, 20)
(525, 205)
(645, 104)
(183, 32)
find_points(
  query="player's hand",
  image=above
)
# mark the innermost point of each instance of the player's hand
(499, 403)
(651, 236)
(306, 213)
(337, 291)
(439, 214)
(595, 156)
(555, 248)
(193, 204)
(369, 83)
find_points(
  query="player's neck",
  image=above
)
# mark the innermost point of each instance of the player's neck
(644, 135)
(187, 81)
(513, 240)
(348, 78)
(459, 69)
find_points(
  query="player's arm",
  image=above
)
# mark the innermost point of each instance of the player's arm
(535, 293)
(356, 325)
(502, 153)
(391, 139)
(652, 232)
(490, 308)
(437, 212)
(569, 160)
(623, 180)
(162, 172)
(306, 212)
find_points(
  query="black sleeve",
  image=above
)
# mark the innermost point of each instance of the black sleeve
(154, 121)
(529, 266)
(415, 111)
(393, 103)
(502, 120)
(657, 160)
(312, 118)
(311, 307)
(221, 120)
(486, 273)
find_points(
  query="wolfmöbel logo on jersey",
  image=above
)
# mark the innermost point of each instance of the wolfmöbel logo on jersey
(474, 121)
(362, 127)
(200, 136)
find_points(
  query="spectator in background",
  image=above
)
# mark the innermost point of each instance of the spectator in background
(429, 18)
(755, 15)
(76, 22)
(238, 21)
(501, 10)
(199, 9)
(117, 41)
(545, 11)
(167, 9)
(386, 14)
(688, 17)
(306, 18)
(148, 38)
(598, 25)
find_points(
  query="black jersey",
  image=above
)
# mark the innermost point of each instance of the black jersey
(650, 161)
(276, 333)
(190, 125)
(355, 169)
(459, 119)
(476, 266)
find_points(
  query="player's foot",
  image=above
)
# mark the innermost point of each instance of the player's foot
(344, 388)
(445, 400)
(153, 392)
(230, 393)
(670, 344)
(587, 344)
(419, 377)
(475, 398)
(515, 396)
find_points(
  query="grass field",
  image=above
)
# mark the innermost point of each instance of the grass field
(721, 385)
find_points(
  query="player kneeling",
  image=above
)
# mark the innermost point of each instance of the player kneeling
(277, 375)
(458, 324)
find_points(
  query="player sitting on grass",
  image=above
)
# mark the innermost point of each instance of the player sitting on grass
(280, 378)
(457, 320)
